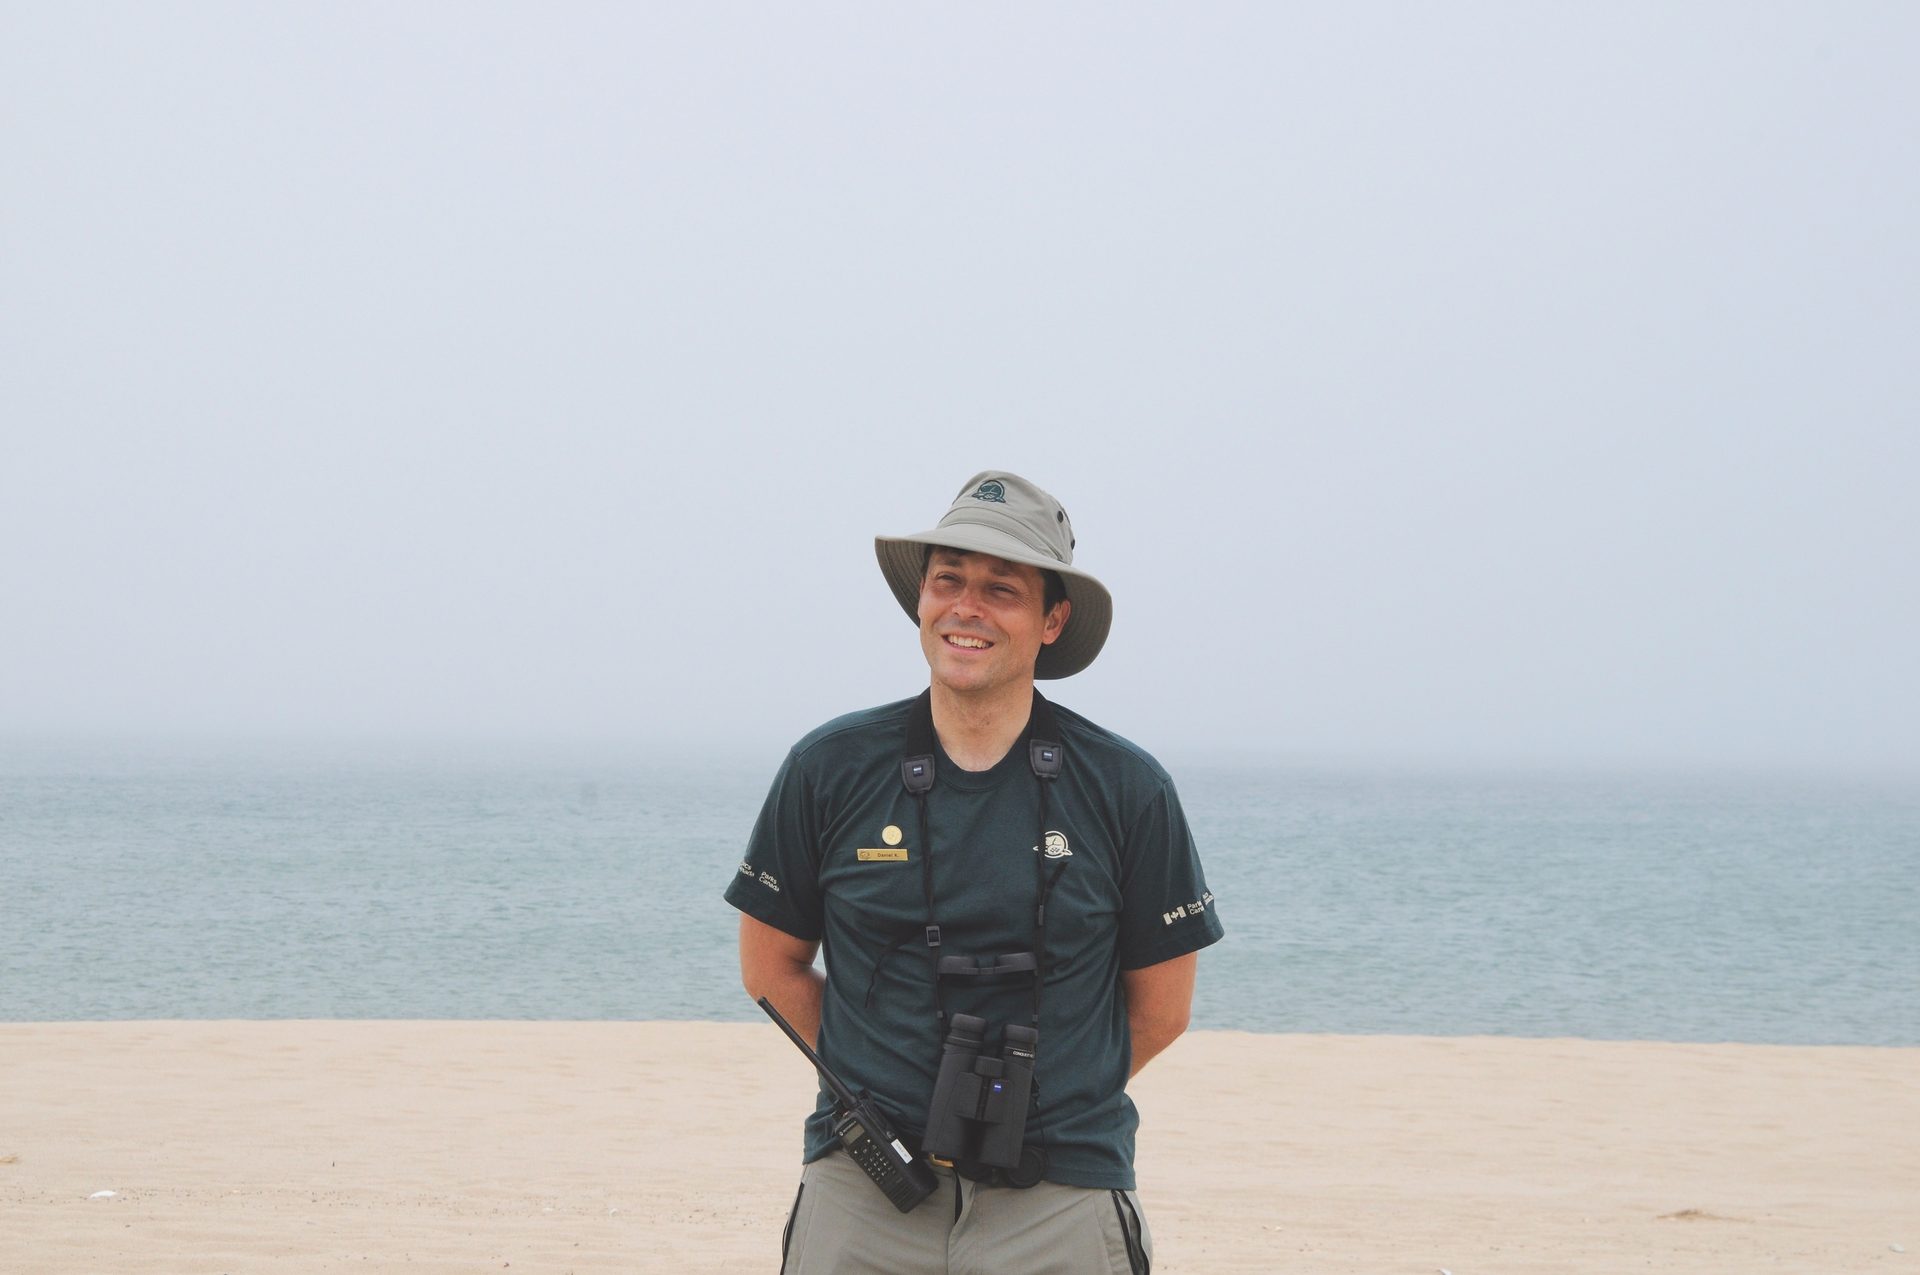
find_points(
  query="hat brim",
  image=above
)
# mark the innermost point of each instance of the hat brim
(902, 559)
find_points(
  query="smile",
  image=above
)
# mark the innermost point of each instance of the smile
(967, 643)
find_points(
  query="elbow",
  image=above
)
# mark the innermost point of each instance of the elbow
(757, 979)
(1163, 1023)
(758, 983)
(768, 975)
(771, 961)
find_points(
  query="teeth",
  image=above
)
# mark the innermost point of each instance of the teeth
(974, 642)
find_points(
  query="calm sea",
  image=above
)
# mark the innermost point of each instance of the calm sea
(140, 882)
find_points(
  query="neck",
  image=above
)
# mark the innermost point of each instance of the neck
(977, 731)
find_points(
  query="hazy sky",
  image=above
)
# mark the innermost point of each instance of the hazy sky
(1459, 382)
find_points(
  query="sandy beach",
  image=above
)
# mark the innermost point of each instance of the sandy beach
(577, 1147)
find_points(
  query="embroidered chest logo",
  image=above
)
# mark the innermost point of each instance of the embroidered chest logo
(892, 852)
(1056, 846)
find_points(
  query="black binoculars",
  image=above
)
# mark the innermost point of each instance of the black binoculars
(978, 1116)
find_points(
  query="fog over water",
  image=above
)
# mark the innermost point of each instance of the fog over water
(1482, 385)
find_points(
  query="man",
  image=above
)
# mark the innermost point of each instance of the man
(978, 851)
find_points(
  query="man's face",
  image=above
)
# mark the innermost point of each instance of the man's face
(983, 620)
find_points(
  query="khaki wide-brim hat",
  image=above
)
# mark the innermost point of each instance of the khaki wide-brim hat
(1005, 515)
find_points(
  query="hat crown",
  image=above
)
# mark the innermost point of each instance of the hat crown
(1016, 507)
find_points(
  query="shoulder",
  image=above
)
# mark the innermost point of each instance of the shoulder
(1112, 754)
(882, 729)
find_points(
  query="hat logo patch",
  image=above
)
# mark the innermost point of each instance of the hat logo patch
(991, 490)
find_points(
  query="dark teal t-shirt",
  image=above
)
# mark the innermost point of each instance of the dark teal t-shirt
(836, 856)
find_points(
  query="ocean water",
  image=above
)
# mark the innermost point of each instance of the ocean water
(303, 882)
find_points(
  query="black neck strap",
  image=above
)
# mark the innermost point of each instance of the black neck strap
(1044, 754)
(918, 772)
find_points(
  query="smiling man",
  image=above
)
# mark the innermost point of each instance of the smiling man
(1011, 910)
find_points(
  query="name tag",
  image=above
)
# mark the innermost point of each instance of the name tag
(898, 855)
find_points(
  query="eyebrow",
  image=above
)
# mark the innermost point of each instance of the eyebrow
(956, 556)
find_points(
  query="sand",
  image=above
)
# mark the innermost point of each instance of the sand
(557, 1147)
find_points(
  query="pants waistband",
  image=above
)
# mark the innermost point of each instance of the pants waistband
(984, 1174)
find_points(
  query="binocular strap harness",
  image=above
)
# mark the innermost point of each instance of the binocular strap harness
(1044, 756)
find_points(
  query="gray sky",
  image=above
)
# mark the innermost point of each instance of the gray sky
(1465, 383)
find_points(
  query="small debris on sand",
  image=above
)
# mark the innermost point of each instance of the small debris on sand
(1696, 1215)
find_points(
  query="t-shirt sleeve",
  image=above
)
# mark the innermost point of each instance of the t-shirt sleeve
(1166, 909)
(778, 881)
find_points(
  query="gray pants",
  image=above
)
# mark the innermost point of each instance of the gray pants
(842, 1225)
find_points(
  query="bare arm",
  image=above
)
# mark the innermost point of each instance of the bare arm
(1159, 1002)
(778, 966)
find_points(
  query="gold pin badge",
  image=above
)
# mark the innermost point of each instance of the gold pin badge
(891, 834)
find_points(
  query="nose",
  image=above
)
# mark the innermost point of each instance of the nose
(967, 601)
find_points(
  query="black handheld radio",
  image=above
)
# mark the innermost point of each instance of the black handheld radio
(866, 1134)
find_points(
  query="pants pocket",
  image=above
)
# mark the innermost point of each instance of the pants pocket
(786, 1236)
(1134, 1231)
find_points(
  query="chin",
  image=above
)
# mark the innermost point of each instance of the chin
(961, 679)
